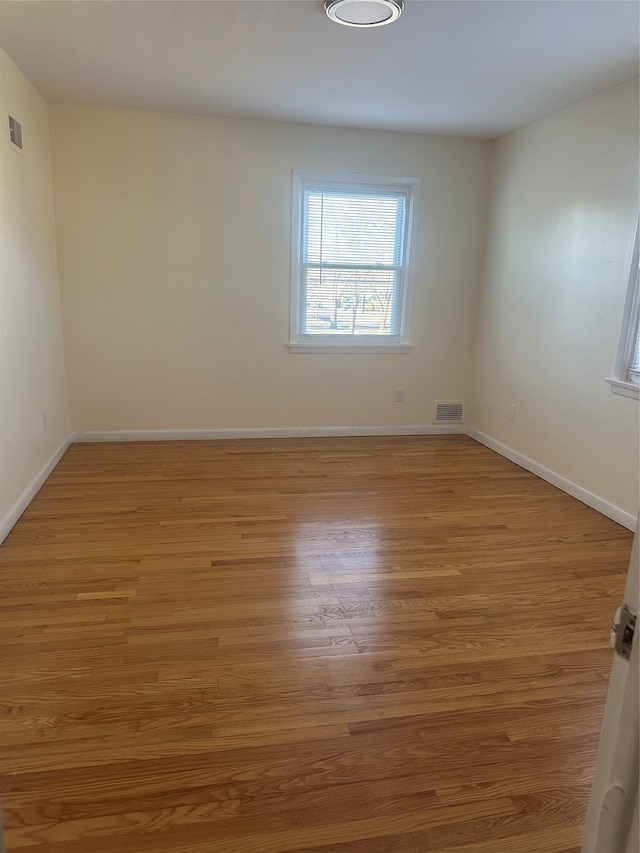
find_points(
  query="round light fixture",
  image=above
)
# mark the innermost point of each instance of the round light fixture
(364, 13)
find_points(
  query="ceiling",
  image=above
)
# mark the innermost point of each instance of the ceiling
(470, 67)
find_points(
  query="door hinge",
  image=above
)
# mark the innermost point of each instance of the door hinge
(623, 631)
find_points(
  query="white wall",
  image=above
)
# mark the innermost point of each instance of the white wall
(564, 210)
(173, 244)
(32, 378)
(173, 240)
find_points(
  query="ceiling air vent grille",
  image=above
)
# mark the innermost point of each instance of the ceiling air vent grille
(15, 132)
(449, 412)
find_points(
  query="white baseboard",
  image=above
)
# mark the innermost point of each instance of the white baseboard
(276, 432)
(9, 519)
(626, 519)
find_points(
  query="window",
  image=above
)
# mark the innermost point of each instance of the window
(351, 262)
(626, 377)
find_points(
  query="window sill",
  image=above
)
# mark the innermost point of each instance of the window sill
(625, 389)
(362, 349)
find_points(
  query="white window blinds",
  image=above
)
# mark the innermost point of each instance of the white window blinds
(625, 379)
(353, 258)
(631, 357)
(353, 239)
(634, 365)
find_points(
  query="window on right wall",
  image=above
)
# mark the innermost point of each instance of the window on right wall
(626, 375)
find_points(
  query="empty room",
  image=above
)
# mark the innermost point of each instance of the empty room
(319, 427)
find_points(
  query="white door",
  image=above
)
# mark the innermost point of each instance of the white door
(612, 819)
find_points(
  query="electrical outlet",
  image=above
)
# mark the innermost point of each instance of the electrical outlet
(512, 411)
(399, 395)
(45, 421)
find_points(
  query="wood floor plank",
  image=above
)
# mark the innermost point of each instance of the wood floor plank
(345, 645)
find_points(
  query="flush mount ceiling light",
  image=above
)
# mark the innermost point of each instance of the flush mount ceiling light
(364, 13)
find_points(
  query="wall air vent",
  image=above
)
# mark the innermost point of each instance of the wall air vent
(15, 132)
(449, 412)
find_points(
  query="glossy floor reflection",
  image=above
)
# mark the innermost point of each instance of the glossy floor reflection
(347, 644)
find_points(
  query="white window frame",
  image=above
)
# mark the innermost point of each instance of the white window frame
(619, 381)
(398, 343)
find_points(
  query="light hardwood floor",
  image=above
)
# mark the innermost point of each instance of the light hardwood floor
(370, 645)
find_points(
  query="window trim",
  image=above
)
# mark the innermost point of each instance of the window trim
(364, 344)
(619, 380)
